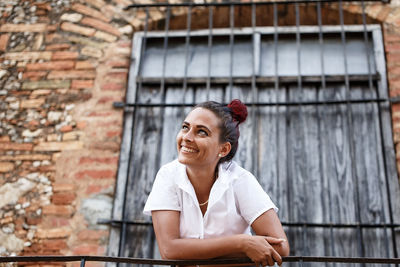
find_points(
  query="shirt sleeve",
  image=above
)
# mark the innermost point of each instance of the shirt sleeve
(163, 195)
(251, 199)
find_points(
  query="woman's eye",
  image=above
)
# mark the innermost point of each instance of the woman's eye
(202, 132)
(185, 127)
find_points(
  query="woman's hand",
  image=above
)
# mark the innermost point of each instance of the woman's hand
(259, 249)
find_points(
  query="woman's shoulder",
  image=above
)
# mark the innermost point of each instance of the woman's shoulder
(235, 172)
(171, 166)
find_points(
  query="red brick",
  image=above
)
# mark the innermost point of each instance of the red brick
(5, 138)
(34, 75)
(92, 235)
(89, 12)
(88, 250)
(53, 233)
(58, 210)
(108, 99)
(100, 25)
(56, 222)
(72, 74)
(81, 125)
(63, 55)
(111, 134)
(96, 174)
(120, 74)
(6, 167)
(54, 245)
(15, 146)
(66, 128)
(93, 189)
(63, 198)
(122, 63)
(38, 27)
(393, 47)
(63, 187)
(82, 84)
(4, 41)
(51, 65)
(57, 47)
(113, 86)
(85, 65)
(70, 27)
(95, 160)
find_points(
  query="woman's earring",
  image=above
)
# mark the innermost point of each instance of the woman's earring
(220, 155)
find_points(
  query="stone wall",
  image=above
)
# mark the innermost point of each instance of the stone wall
(62, 65)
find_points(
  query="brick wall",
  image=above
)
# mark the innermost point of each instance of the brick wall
(62, 65)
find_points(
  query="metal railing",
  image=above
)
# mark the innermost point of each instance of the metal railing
(86, 258)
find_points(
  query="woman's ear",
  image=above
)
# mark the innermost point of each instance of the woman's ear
(225, 149)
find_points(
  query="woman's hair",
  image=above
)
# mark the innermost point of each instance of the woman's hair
(230, 117)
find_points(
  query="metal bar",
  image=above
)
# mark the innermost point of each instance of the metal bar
(351, 133)
(187, 42)
(368, 260)
(122, 239)
(291, 224)
(282, 103)
(259, 80)
(209, 47)
(236, 3)
(82, 262)
(326, 140)
(231, 44)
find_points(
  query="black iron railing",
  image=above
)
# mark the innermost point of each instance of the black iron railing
(86, 258)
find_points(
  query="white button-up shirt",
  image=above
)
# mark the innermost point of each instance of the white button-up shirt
(236, 200)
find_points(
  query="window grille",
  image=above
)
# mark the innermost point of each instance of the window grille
(318, 136)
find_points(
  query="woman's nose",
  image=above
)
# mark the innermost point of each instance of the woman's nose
(188, 136)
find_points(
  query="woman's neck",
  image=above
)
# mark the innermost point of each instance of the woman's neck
(202, 178)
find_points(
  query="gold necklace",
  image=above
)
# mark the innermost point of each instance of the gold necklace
(202, 204)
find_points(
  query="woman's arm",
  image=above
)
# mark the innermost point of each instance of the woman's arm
(268, 224)
(166, 226)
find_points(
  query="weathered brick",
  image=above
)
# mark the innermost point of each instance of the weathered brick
(70, 27)
(96, 3)
(74, 135)
(5, 138)
(53, 233)
(86, 64)
(89, 12)
(63, 198)
(58, 146)
(86, 41)
(56, 84)
(4, 41)
(59, 210)
(82, 84)
(20, 56)
(96, 174)
(63, 187)
(119, 63)
(93, 235)
(29, 157)
(6, 166)
(98, 160)
(72, 74)
(52, 65)
(88, 250)
(32, 103)
(15, 146)
(100, 25)
(64, 55)
(58, 47)
(66, 128)
(113, 86)
(105, 36)
(39, 27)
(54, 245)
(92, 52)
(34, 75)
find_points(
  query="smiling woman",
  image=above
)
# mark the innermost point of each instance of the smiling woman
(203, 204)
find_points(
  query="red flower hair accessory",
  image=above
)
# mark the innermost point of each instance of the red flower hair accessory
(239, 110)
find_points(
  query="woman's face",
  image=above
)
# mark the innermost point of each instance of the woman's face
(198, 140)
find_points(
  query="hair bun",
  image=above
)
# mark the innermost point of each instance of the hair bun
(239, 110)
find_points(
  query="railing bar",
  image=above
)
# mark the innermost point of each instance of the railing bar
(122, 239)
(187, 42)
(209, 47)
(294, 224)
(302, 173)
(236, 3)
(194, 262)
(277, 93)
(283, 103)
(231, 44)
(83, 262)
(254, 91)
(351, 133)
(326, 139)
